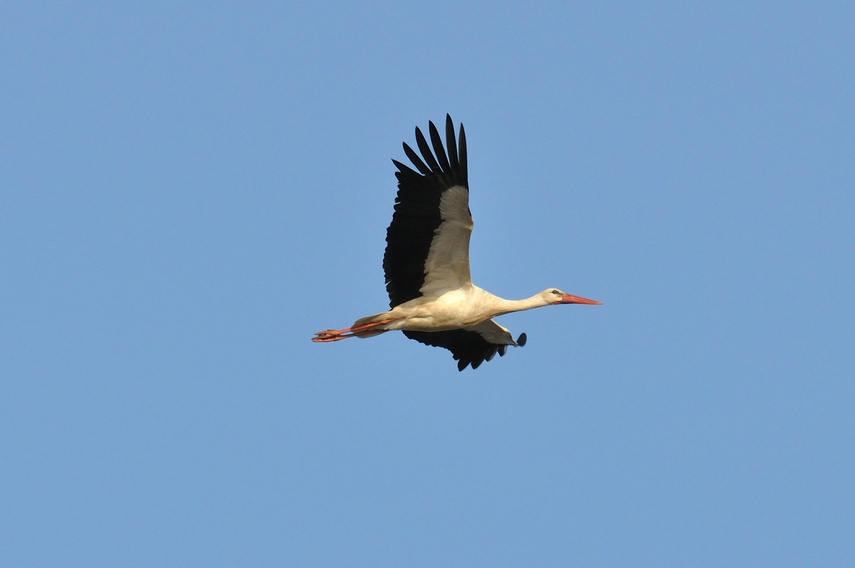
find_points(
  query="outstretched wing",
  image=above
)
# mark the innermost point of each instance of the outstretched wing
(473, 345)
(427, 243)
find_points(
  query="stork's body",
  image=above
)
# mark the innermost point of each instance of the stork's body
(426, 263)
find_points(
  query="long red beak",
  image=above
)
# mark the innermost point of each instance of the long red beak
(568, 299)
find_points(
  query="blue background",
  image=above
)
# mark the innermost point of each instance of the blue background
(188, 191)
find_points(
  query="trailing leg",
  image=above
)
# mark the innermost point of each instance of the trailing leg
(362, 328)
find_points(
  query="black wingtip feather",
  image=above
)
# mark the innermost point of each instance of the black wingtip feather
(451, 142)
(402, 166)
(414, 158)
(427, 154)
(436, 140)
(464, 166)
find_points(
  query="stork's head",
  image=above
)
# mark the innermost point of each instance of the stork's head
(556, 296)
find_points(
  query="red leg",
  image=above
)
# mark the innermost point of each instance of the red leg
(339, 334)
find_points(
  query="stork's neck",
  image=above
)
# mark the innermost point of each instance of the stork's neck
(502, 306)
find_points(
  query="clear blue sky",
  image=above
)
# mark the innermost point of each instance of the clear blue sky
(188, 192)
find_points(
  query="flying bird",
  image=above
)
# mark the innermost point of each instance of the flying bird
(431, 295)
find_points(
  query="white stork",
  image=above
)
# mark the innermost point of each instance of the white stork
(426, 263)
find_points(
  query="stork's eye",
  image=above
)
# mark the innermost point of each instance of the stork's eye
(556, 292)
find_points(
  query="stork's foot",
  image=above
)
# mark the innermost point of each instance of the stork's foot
(365, 330)
(330, 335)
